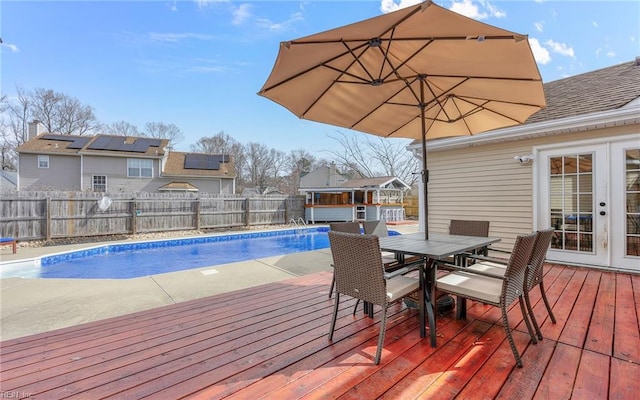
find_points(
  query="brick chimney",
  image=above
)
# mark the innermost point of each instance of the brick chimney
(35, 128)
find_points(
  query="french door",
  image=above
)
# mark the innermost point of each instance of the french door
(590, 194)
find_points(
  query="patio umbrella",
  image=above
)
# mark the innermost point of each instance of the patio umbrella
(422, 72)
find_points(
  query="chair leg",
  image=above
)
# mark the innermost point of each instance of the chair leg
(512, 343)
(383, 325)
(525, 317)
(533, 317)
(334, 317)
(333, 283)
(546, 303)
(355, 308)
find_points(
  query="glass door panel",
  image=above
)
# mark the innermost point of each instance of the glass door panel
(571, 200)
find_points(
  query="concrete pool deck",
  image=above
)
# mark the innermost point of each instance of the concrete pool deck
(30, 306)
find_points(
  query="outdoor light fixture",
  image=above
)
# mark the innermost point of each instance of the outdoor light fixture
(524, 160)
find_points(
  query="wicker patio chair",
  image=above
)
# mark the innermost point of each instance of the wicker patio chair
(466, 228)
(379, 228)
(349, 227)
(359, 273)
(534, 276)
(495, 289)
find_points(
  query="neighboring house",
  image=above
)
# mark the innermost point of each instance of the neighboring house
(325, 176)
(356, 200)
(104, 163)
(8, 181)
(574, 166)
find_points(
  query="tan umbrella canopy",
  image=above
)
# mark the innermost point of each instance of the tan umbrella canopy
(422, 72)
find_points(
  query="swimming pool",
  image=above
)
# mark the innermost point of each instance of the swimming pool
(130, 260)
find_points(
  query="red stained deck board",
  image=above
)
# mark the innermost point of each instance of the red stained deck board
(592, 379)
(271, 341)
(577, 325)
(600, 334)
(626, 343)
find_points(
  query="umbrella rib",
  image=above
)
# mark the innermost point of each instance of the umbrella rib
(311, 68)
(341, 72)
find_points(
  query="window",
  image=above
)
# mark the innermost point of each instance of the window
(43, 161)
(99, 183)
(139, 168)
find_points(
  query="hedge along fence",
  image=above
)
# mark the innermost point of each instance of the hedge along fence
(52, 215)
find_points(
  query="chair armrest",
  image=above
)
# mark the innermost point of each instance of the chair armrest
(451, 267)
(488, 258)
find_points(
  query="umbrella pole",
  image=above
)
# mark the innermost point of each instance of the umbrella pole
(425, 182)
(425, 171)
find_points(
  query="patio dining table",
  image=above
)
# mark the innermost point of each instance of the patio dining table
(437, 247)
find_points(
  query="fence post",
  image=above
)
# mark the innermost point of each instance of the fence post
(134, 217)
(247, 215)
(197, 216)
(286, 209)
(48, 219)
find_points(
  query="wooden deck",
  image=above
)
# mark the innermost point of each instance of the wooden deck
(271, 342)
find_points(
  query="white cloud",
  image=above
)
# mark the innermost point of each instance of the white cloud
(241, 14)
(595, 24)
(560, 48)
(539, 26)
(265, 23)
(176, 37)
(12, 47)
(477, 9)
(541, 54)
(467, 8)
(205, 3)
(387, 6)
(464, 7)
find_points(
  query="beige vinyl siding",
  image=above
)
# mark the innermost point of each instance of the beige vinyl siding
(481, 183)
(484, 182)
(63, 173)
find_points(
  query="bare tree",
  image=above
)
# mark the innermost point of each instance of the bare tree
(63, 114)
(15, 114)
(259, 165)
(121, 128)
(375, 156)
(160, 130)
(223, 144)
(299, 162)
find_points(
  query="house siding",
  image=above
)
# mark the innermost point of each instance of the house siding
(322, 177)
(115, 169)
(63, 173)
(484, 182)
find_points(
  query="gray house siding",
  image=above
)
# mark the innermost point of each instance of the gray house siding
(63, 173)
(115, 169)
(323, 177)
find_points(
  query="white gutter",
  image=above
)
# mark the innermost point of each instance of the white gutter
(624, 116)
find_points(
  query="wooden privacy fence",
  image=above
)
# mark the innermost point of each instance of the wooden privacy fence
(51, 215)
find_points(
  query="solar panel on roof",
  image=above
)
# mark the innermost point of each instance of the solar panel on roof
(117, 143)
(99, 143)
(76, 142)
(204, 161)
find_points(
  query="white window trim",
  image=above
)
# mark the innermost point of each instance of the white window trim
(93, 183)
(43, 159)
(139, 168)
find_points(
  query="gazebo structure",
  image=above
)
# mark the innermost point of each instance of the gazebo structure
(367, 199)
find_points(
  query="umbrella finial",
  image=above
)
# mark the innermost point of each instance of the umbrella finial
(375, 42)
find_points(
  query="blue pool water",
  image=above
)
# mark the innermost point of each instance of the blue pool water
(130, 260)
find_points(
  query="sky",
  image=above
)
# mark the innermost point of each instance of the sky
(199, 64)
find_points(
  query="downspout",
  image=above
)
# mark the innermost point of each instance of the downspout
(82, 172)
